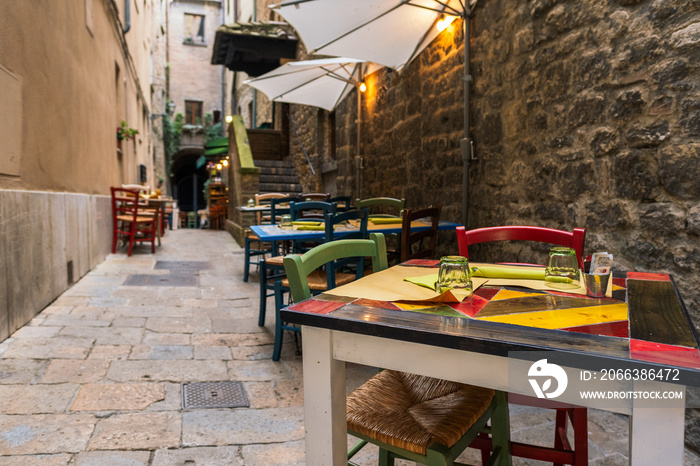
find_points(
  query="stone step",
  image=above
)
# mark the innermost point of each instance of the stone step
(288, 188)
(283, 179)
(274, 163)
(287, 171)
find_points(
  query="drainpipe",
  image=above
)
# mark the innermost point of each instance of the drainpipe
(254, 116)
(127, 16)
(466, 143)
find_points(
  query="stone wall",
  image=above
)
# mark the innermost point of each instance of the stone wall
(583, 114)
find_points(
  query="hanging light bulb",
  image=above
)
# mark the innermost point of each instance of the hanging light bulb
(224, 163)
(218, 166)
(363, 87)
(444, 22)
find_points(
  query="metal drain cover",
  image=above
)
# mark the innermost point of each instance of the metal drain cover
(213, 395)
(161, 280)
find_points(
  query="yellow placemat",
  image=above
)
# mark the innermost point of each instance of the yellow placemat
(385, 220)
(389, 285)
(310, 227)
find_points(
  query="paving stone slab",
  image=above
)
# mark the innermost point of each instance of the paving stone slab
(137, 431)
(209, 456)
(233, 339)
(45, 434)
(110, 352)
(36, 332)
(75, 371)
(171, 371)
(222, 353)
(36, 399)
(21, 371)
(151, 310)
(162, 280)
(36, 460)
(77, 320)
(179, 324)
(258, 370)
(276, 454)
(245, 325)
(113, 458)
(118, 397)
(161, 352)
(172, 400)
(155, 339)
(242, 426)
(106, 335)
(57, 347)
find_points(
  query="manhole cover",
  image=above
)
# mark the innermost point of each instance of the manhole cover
(161, 280)
(213, 395)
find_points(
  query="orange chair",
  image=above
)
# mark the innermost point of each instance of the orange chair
(562, 453)
(131, 220)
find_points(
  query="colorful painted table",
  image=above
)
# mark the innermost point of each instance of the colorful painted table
(494, 340)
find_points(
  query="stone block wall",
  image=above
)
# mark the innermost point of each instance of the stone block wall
(583, 114)
(50, 240)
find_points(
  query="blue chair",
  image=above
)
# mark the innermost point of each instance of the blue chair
(253, 247)
(335, 274)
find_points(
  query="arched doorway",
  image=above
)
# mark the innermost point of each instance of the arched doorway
(187, 180)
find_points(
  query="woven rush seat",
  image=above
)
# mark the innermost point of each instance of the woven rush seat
(139, 218)
(412, 412)
(318, 281)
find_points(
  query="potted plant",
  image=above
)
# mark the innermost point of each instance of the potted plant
(126, 133)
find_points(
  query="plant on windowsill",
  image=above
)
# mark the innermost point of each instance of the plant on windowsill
(126, 133)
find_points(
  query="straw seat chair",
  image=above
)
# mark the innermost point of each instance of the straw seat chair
(563, 452)
(253, 246)
(423, 419)
(132, 221)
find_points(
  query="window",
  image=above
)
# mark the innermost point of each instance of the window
(194, 29)
(193, 112)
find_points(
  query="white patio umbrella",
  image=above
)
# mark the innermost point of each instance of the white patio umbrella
(388, 32)
(320, 83)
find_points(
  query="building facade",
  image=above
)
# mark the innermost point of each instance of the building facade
(71, 74)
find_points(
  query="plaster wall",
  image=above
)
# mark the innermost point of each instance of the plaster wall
(76, 75)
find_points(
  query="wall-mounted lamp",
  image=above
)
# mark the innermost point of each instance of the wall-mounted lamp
(444, 22)
(224, 163)
(228, 118)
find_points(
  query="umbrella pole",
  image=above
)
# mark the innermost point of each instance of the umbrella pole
(466, 142)
(358, 157)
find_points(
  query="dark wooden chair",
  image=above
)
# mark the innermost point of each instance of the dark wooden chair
(419, 244)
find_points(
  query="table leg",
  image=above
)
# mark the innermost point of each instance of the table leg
(324, 400)
(657, 428)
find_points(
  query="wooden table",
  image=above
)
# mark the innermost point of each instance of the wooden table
(494, 339)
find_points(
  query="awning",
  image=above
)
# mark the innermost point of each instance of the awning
(254, 48)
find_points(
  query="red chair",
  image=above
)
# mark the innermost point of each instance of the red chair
(562, 453)
(568, 239)
(131, 220)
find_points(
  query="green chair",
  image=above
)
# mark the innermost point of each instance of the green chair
(408, 416)
(319, 281)
(382, 206)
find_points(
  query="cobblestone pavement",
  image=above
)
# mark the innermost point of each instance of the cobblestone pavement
(97, 377)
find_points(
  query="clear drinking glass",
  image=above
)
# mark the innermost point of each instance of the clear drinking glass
(562, 269)
(454, 275)
(286, 222)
